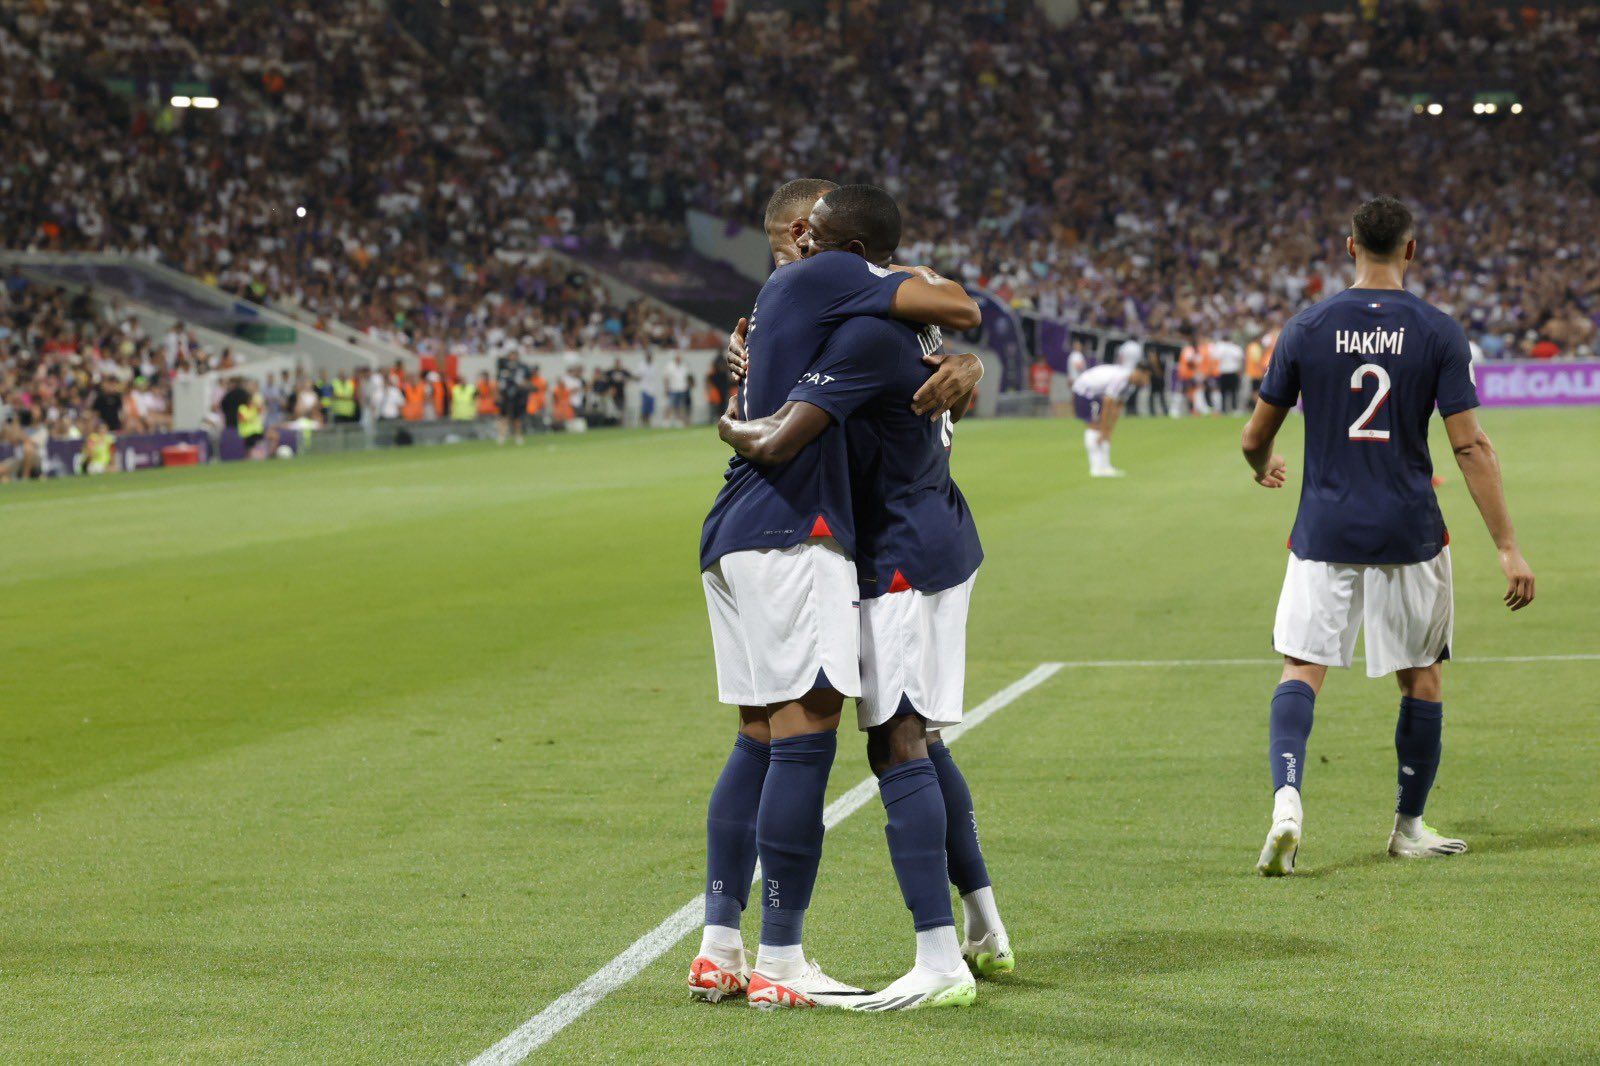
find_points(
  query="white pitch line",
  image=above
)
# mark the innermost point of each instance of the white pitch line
(1091, 664)
(542, 1027)
(570, 1006)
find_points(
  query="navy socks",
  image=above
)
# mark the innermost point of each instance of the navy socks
(916, 833)
(731, 831)
(965, 857)
(1417, 743)
(1288, 731)
(789, 832)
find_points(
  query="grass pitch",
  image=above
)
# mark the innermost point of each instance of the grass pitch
(369, 758)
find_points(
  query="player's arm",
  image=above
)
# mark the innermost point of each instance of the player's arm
(1480, 468)
(1259, 434)
(778, 437)
(955, 379)
(935, 301)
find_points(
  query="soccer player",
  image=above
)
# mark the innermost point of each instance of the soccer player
(1369, 546)
(511, 386)
(1098, 396)
(780, 588)
(917, 555)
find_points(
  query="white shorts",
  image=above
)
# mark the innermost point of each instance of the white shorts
(779, 616)
(914, 645)
(1408, 610)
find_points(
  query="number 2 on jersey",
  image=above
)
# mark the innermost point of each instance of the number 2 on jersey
(1359, 429)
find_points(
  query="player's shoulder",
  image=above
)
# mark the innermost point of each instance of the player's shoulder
(834, 267)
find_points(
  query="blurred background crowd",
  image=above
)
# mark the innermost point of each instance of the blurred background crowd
(405, 170)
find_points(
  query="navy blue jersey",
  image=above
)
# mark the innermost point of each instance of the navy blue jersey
(912, 525)
(796, 312)
(1370, 366)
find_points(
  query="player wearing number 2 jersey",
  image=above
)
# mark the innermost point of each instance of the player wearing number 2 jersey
(1369, 547)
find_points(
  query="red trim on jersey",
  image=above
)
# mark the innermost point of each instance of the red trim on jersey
(899, 583)
(819, 528)
(1288, 542)
(1447, 538)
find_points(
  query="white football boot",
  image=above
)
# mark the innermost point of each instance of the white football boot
(920, 988)
(807, 987)
(990, 956)
(1412, 839)
(713, 979)
(1283, 839)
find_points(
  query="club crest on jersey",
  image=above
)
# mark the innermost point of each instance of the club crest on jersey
(1369, 341)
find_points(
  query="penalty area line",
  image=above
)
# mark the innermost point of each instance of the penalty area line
(538, 1030)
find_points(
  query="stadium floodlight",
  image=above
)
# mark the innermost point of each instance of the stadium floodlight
(1516, 109)
(1477, 109)
(205, 102)
(1489, 109)
(1435, 109)
(181, 101)
(300, 212)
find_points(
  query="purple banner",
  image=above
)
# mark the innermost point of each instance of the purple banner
(132, 452)
(1002, 331)
(1537, 383)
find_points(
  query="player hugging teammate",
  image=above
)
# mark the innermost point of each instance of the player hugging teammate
(837, 536)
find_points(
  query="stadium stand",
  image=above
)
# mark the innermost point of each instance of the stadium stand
(445, 179)
(1062, 167)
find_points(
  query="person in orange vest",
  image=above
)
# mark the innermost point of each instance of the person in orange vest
(1039, 376)
(538, 389)
(1188, 367)
(1255, 367)
(488, 399)
(437, 395)
(416, 399)
(561, 411)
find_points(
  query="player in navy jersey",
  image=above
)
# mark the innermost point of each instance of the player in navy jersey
(917, 555)
(780, 587)
(1369, 547)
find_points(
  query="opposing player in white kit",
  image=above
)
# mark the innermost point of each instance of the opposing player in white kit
(1098, 396)
(1369, 549)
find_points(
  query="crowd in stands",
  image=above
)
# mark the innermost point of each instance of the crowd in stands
(70, 368)
(346, 175)
(1132, 171)
(1187, 178)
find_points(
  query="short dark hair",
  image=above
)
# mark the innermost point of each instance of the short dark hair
(869, 215)
(1382, 225)
(793, 199)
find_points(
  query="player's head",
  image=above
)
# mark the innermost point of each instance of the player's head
(854, 218)
(1383, 231)
(787, 212)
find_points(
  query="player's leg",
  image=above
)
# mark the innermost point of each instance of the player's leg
(802, 632)
(986, 945)
(909, 786)
(789, 838)
(913, 659)
(1318, 619)
(721, 968)
(1410, 624)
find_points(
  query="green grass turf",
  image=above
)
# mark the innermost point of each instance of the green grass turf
(368, 758)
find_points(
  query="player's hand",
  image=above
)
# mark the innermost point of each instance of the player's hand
(1276, 475)
(953, 377)
(736, 354)
(1519, 579)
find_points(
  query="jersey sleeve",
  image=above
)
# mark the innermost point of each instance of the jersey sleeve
(1457, 390)
(856, 364)
(1281, 386)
